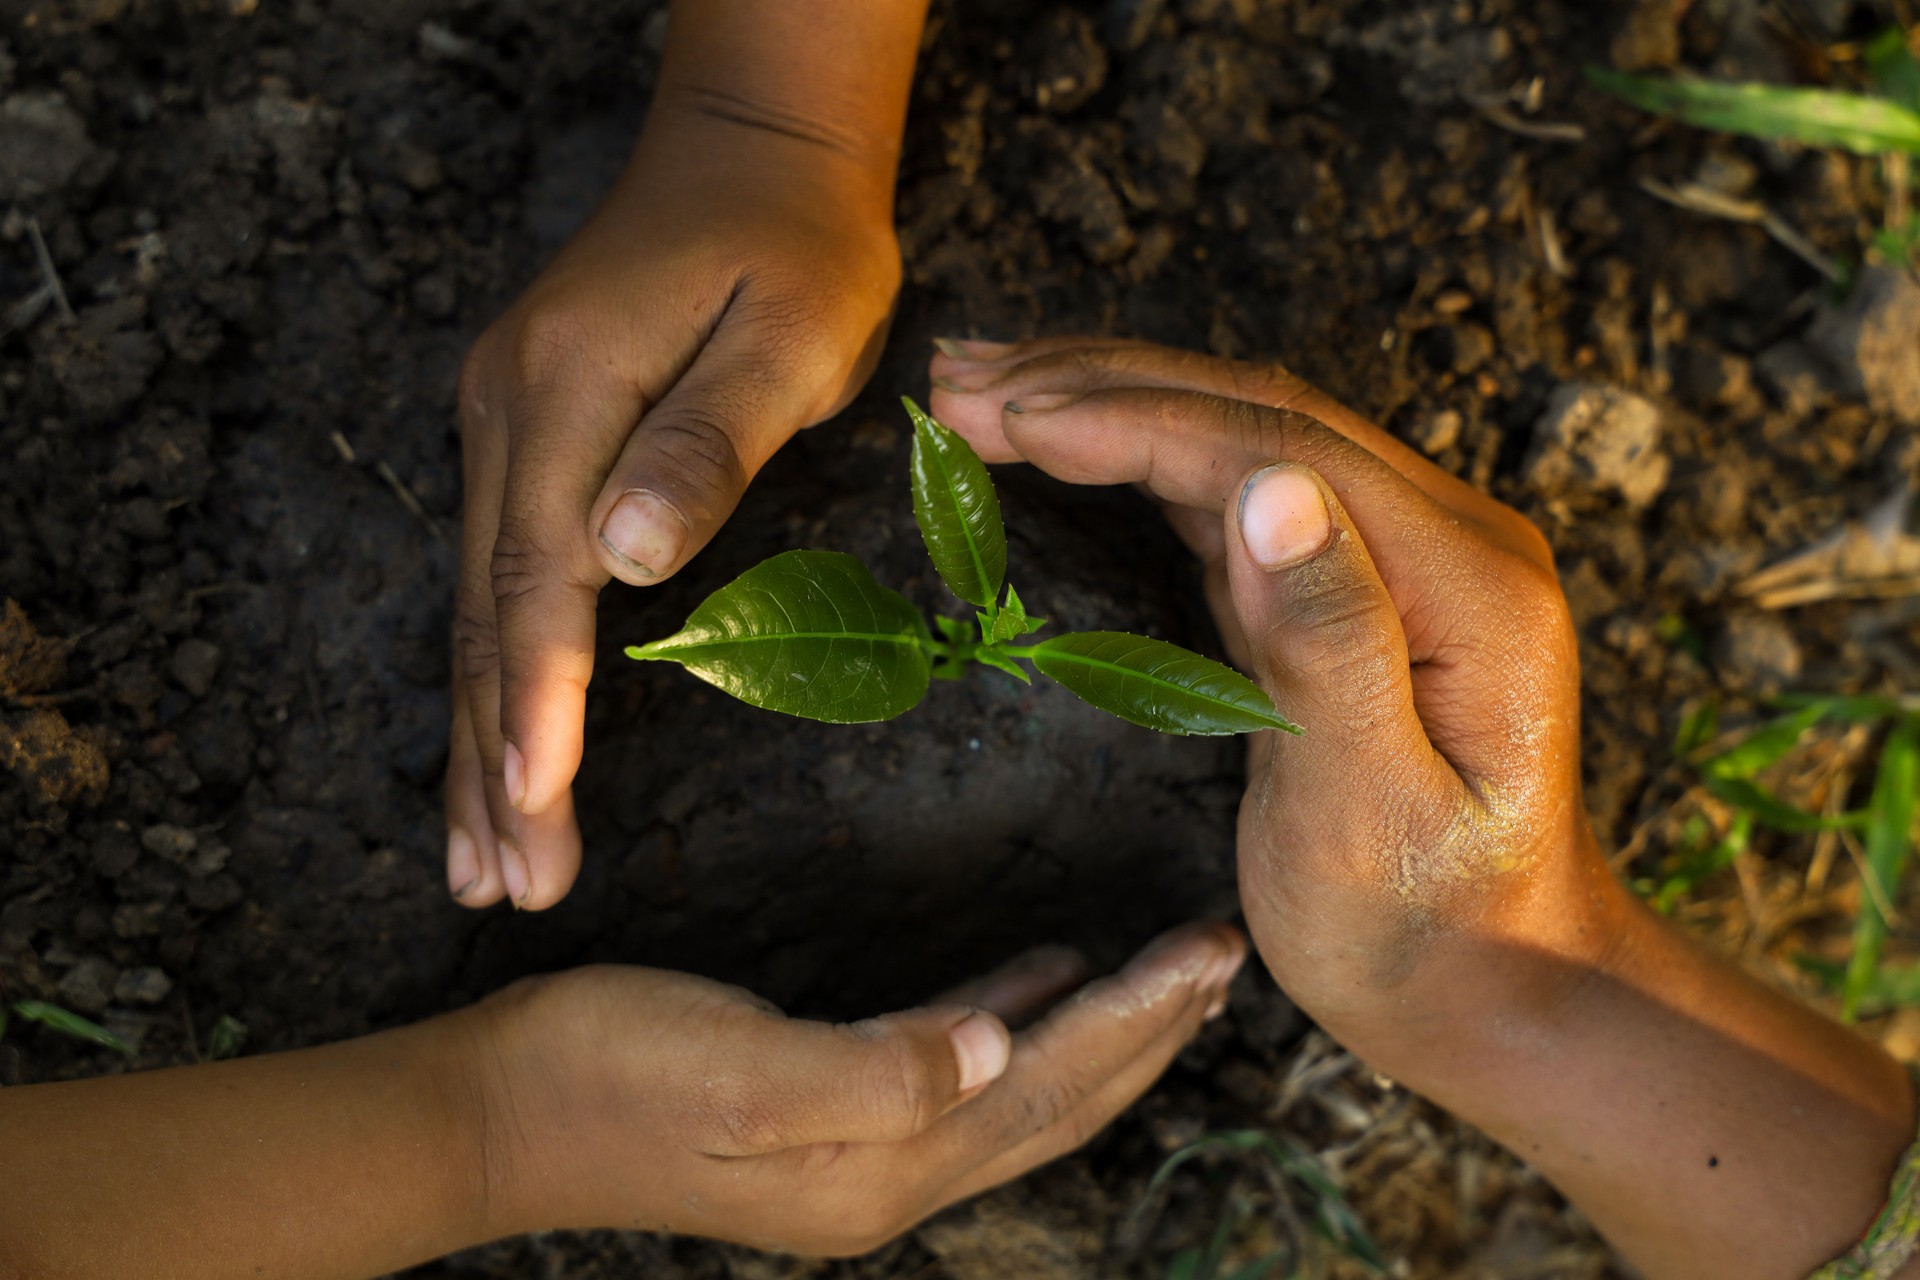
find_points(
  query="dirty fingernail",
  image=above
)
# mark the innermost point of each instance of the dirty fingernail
(515, 770)
(1283, 516)
(1041, 403)
(973, 349)
(645, 532)
(463, 862)
(982, 1048)
(513, 869)
(948, 384)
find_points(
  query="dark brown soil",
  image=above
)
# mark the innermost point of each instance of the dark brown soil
(222, 708)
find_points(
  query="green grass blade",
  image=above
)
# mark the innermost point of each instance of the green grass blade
(71, 1024)
(957, 511)
(1155, 684)
(1862, 708)
(1895, 71)
(1889, 845)
(809, 633)
(1749, 796)
(1697, 728)
(1765, 746)
(1816, 117)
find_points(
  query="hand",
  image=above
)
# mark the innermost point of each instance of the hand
(635, 1098)
(1410, 623)
(735, 287)
(1417, 870)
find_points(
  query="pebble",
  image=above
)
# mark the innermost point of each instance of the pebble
(88, 986)
(43, 144)
(1757, 651)
(195, 663)
(1873, 342)
(1599, 437)
(145, 985)
(175, 844)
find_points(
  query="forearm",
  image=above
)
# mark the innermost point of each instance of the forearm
(355, 1159)
(831, 75)
(1707, 1125)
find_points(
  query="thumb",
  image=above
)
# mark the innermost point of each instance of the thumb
(1321, 630)
(881, 1080)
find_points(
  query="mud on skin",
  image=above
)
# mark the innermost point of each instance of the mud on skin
(280, 226)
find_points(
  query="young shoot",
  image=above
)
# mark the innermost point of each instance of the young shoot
(812, 634)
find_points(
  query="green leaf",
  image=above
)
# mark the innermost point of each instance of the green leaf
(1155, 684)
(72, 1024)
(999, 661)
(228, 1037)
(1895, 71)
(808, 633)
(1010, 623)
(957, 510)
(1698, 728)
(1816, 117)
(1765, 746)
(1749, 796)
(1861, 708)
(1889, 845)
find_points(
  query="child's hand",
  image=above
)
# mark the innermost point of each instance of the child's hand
(640, 1098)
(735, 287)
(605, 1097)
(1417, 870)
(1413, 627)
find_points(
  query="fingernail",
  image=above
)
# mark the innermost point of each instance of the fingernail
(1221, 971)
(515, 770)
(513, 869)
(1041, 403)
(1218, 1007)
(981, 1047)
(645, 532)
(463, 862)
(973, 349)
(948, 384)
(1283, 516)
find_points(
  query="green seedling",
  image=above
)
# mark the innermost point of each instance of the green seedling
(812, 634)
(1293, 1176)
(1885, 827)
(55, 1018)
(1883, 121)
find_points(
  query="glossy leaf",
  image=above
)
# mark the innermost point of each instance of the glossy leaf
(1889, 847)
(1010, 623)
(72, 1024)
(958, 511)
(1155, 684)
(1816, 117)
(809, 633)
(999, 661)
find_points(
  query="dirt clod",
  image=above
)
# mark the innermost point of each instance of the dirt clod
(1872, 341)
(1599, 438)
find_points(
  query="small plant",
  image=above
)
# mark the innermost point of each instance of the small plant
(1883, 122)
(1884, 828)
(1296, 1181)
(812, 634)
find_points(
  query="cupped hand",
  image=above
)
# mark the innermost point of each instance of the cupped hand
(636, 1098)
(735, 287)
(1431, 815)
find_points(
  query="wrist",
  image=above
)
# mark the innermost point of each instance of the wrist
(1514, 974)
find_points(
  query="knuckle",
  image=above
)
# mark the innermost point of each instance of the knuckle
(476, 639)
(520, 568)
(735, 1116)
(694, 453)
(548, 345)
(901, 1087)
